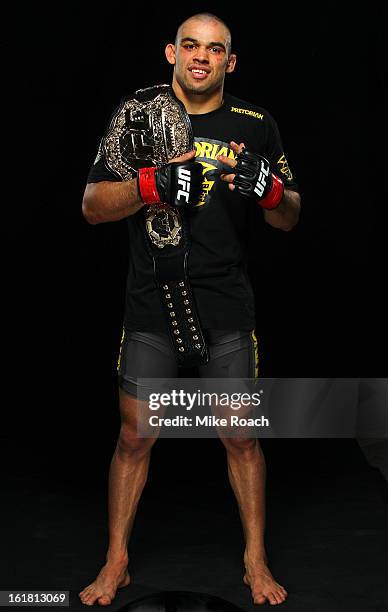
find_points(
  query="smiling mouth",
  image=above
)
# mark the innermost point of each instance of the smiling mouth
(198, 73)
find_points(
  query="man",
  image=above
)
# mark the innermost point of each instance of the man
(228, 133)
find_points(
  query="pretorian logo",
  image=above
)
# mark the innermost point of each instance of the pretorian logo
(207, 183)
(246, 111)
(184, 182)
(262, 180)
(206, 152)
(210, 150)
(284, 167)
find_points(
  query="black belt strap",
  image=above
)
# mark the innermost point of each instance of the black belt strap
(178, 303)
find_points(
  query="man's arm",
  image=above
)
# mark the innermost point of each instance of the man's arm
(111, 201)
(286, 215)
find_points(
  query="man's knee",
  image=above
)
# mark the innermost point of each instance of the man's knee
(130, 445)
(245, 448)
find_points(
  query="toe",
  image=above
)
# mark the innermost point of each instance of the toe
(104, 600)
(272, 599)
(260, 599)
(279, 598)
(88, 599)
(82, 593)
(282, 596)
(283, 590)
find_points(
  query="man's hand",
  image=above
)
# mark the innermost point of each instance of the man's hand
(229, 161)
(178, 183)
(252, 177)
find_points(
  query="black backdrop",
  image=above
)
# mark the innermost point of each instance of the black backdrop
(319, 289)
(321, 308)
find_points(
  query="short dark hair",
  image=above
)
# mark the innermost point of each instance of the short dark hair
(208, 17)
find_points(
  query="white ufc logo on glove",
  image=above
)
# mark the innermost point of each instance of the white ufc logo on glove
(262, 180)
(184, 183)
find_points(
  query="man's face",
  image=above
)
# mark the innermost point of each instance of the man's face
(201, 56)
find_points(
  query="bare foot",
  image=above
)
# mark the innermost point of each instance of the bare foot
(103, 590)
(263, 585)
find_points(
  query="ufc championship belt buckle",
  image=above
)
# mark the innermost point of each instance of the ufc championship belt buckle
(164, 226)
(151, 128)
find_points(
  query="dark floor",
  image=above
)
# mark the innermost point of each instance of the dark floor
(376, 453)
(327, 532)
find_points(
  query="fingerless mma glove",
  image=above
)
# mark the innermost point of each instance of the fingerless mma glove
(255, 180)
(177, 184)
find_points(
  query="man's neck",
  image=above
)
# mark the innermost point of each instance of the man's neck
(198, 104)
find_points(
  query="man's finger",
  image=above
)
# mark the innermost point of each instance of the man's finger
(228, 161)
(228, 178)
(183, 158)
(237, 148)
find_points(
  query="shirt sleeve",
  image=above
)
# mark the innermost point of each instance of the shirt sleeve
(277, 157)
(100, 170)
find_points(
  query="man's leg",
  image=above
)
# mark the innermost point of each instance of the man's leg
(142, 355)
(234, 355)
(127, 477)
(247, 471)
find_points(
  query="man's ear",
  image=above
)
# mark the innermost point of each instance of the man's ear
(231, 64)
(170, 53)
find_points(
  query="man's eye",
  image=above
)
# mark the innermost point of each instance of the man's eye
(189, 46)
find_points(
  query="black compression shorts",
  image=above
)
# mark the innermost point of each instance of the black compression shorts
(233, 354)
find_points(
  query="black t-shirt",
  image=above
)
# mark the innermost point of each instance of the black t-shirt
(217, 258)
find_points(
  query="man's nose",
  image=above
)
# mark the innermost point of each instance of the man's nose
(201, 55)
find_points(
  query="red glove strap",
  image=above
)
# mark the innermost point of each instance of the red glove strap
(147, 186)
(273, 198)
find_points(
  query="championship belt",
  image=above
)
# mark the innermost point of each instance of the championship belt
(149, 128)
